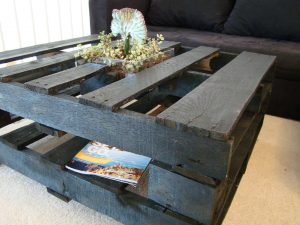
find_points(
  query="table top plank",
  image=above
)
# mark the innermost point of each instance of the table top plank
(56, 82)
(11, 73)
(14, 72)
(215, 106)
(20, 53)
(122, 91)
(169, 44)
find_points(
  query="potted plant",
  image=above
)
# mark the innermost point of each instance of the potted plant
(132, 52)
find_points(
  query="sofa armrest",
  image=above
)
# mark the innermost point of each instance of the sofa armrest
(101, 10)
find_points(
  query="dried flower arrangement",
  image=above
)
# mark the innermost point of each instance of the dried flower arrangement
(133, 52)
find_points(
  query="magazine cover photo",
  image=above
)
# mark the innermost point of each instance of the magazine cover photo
(109, 162)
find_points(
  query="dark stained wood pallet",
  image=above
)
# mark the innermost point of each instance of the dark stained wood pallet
(36, 50)
(54, 83)
(5, 118)
(217, 104)
(38, 68)
(197, 115)
(22, 137)
(117, 94)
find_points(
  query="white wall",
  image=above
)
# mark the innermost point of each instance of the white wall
(29, 22)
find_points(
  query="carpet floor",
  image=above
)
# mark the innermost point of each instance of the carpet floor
(269, 192)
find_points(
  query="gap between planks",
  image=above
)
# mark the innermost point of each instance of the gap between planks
(115, 95)
(214, 107)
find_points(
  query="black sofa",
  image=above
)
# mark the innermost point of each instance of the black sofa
(265, 26)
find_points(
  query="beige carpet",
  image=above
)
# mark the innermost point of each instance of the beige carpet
(269, 192)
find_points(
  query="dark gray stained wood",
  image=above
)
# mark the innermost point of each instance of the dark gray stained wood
(160, 185)
(56, 82)
(170, 44)
(198, 153)
(237, 168)
(35, 69)
(146, 102)
(200, 144)
(45, 48)
(86, 191)
(242, 127)
(58, 195)
(178, 193)
(49, 130)
(116, 94)
(63, 153)
(38, 68)
(5, 118)
(213, 108)
(22, 137)
(182, 85)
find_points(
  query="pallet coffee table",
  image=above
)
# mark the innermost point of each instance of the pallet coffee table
(197, 115)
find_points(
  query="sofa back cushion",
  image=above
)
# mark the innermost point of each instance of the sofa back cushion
(278, 19)
(198, 14)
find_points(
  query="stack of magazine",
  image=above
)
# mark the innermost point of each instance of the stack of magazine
(109, 162)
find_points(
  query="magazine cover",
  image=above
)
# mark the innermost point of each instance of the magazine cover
(109, 162)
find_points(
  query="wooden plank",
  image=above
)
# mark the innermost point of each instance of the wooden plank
(34, 69)
(40, 67)
(97, 82)
(146, 102)
(157, 184)
(213, 108)
(49, 130)
(205, 65)
(177, 87)
(5, 118)
(83, 190)
(58, 195)
(22, 137)
(237, 169)
(165, 45)
(56, 82)
(63, 153)
(45, 48)
(170, 190)
(151, 139)
(182, 85)
(116, 94)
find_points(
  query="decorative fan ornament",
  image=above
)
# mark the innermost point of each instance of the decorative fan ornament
(129, 23)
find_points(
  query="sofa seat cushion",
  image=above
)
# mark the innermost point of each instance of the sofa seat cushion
(278, 19)
(198, 14)
(288, 53)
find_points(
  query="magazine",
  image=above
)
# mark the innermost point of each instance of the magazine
(109, 162)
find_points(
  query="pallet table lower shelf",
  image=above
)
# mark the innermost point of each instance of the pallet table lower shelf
(197, 115)
(119, 200)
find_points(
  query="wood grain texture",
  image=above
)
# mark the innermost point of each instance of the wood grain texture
(202, 154)
(162, 186)
(82, 189)
(56, 82)
(213, 108)
(22, 137)
(37, 68)
(122, 91)
(43, 66)
(45, 48)
(179, 193)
